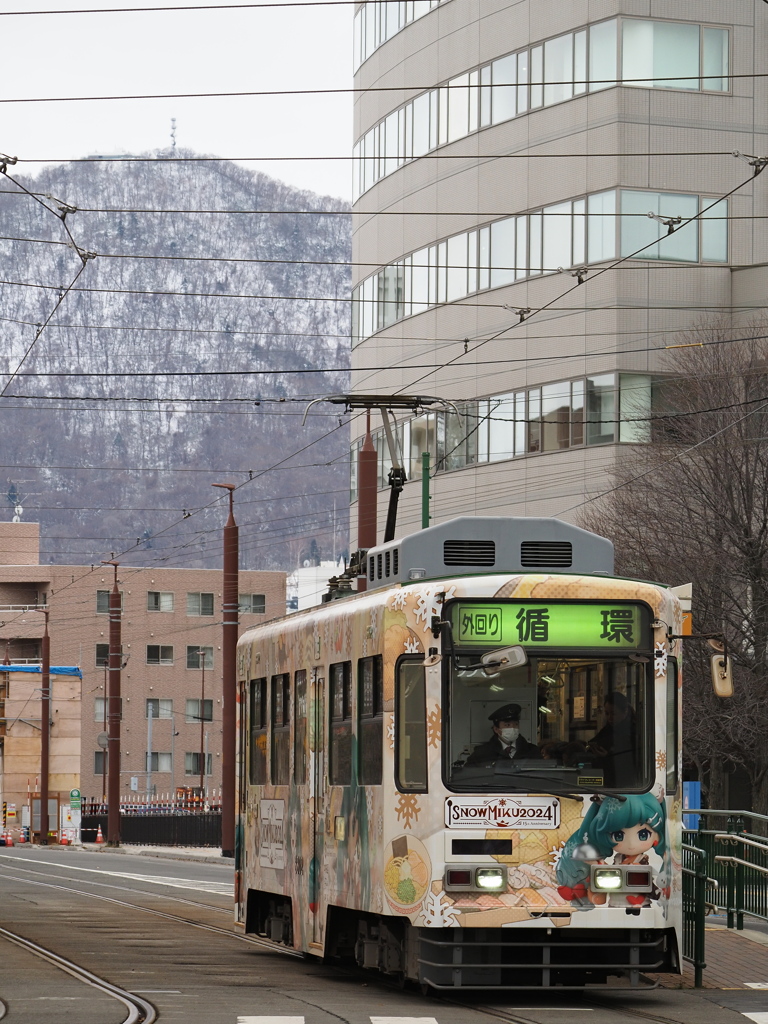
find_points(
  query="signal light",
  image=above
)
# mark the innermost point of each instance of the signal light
(638, 878)
(456, 877)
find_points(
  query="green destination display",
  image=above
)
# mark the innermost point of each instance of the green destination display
(614, 625)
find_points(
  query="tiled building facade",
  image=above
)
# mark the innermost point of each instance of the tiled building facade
(169, 616)
(507, 152)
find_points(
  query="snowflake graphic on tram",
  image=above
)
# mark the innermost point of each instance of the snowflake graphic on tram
(468, 775)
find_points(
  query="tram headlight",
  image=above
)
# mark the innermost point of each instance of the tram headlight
(491, 878)
(607, 878)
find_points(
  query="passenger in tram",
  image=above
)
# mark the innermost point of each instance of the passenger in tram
(506, 740)
(613, 748)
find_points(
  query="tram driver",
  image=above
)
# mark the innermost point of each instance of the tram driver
(506, 740)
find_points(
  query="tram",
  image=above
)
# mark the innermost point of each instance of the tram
(468, 776)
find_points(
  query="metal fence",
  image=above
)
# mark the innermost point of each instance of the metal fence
(181, 819)
(172, 829)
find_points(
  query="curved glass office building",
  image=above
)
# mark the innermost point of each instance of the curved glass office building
(543, 202)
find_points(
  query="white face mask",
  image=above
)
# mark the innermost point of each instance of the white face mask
(510, 735)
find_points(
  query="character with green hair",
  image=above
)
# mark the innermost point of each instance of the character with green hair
(625, 829)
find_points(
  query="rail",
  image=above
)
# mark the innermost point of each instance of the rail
(695, 882)
(746, 890)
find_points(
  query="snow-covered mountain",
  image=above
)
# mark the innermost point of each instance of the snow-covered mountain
(105, 449)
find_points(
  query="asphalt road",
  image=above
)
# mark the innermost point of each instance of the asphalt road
(186, 959)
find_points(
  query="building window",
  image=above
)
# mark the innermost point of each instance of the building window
(546, 241)
(257, 767)
(193, 760)
(340, 767)
(159, 602)
(252, 604)
(651, 55)
(159, 654)
(100, 709)
(159, 762)
(196, 659)
(378, 20)
(370, 725)
(102, 601)
(594, 410)
(192, 712)
(102, 655)
(158, 708)
(199, 604)
(100, 762)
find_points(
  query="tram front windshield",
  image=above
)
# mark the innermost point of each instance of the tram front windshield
(582, 724)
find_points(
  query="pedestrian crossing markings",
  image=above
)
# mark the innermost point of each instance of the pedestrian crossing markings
(277, 1019)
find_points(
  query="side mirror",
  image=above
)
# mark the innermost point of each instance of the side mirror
(722, 676)
(495, 662)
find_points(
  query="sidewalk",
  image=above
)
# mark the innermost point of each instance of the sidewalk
(196, 854)
(735, 960)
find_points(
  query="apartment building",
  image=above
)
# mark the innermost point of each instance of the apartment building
(171, 680)
(545, 196)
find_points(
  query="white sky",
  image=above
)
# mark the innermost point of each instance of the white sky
(175, 52)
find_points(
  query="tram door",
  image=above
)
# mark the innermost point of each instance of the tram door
(319, 795)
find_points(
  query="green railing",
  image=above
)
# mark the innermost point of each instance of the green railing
(695, 882)
(723, 869)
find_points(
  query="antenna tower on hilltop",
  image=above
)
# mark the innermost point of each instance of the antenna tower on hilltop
(173, 135)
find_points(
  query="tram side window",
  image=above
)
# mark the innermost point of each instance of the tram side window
(672, 726)
(370, 725)
(257, 767)
(411, 727)
(281, 730)
(300, 728)
(340, 767)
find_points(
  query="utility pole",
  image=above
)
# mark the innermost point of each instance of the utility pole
(201, 663)
(45, 734)
(114, 713)
(425, 517)
(230, 602)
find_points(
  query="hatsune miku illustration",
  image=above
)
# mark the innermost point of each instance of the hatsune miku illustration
(615, 830)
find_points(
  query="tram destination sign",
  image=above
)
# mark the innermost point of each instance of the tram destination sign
(611, 625)
(502, 812)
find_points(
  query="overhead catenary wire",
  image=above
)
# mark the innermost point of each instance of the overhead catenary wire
(361, 90)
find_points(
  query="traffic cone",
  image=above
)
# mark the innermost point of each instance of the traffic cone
(63, 841)
(22, 838)
(8, 839)
(99, 837)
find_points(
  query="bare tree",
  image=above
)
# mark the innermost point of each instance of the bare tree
(692, 506)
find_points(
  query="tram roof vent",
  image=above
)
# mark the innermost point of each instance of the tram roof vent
(489, 544)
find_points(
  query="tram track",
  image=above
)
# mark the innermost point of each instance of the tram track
(139, 1010)
(516, 1018)
(251, 940)
(125, 888)
(496, 1013)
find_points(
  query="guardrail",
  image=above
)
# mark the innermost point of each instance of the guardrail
(695, 882)
(746, 890)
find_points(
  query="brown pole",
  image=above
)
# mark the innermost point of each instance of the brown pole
(201, 663)
(104, 753)
(367, 491)
(113, 714)
(230, 602)
(45, 733)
